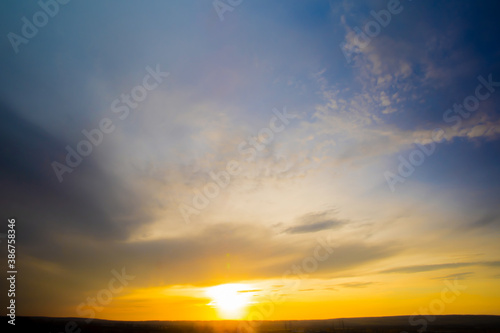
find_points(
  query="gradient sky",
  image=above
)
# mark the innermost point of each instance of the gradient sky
(356, 110)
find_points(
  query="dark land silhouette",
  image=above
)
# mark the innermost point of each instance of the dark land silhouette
(393, 324)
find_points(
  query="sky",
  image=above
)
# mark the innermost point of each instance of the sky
(203, 160)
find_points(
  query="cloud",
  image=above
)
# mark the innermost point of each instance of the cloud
(485, 221)
(47, 205)
(314, 222)
(457, 276)
(355, 284)
(361, 136)
(399, 74)
(80, 263)
(427, 268)
(313, 227)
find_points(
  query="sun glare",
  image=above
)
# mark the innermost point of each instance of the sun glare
(230, 300)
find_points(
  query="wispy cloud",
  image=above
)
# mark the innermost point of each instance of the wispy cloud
(458, 276)
(427, 268)
(316, 221)
(313, 227)
(355, 284)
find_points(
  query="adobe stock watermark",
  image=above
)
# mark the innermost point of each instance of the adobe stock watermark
(29, 28)
(437, 306)
(371, 29)
(103, 297)
(121, 107)
(265, 308)
(415, 158)
(455, 115)
(248, 149)
(223, 6)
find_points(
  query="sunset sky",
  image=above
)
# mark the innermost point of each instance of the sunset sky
(252, 158)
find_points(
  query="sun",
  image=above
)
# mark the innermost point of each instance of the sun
(230, 299)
